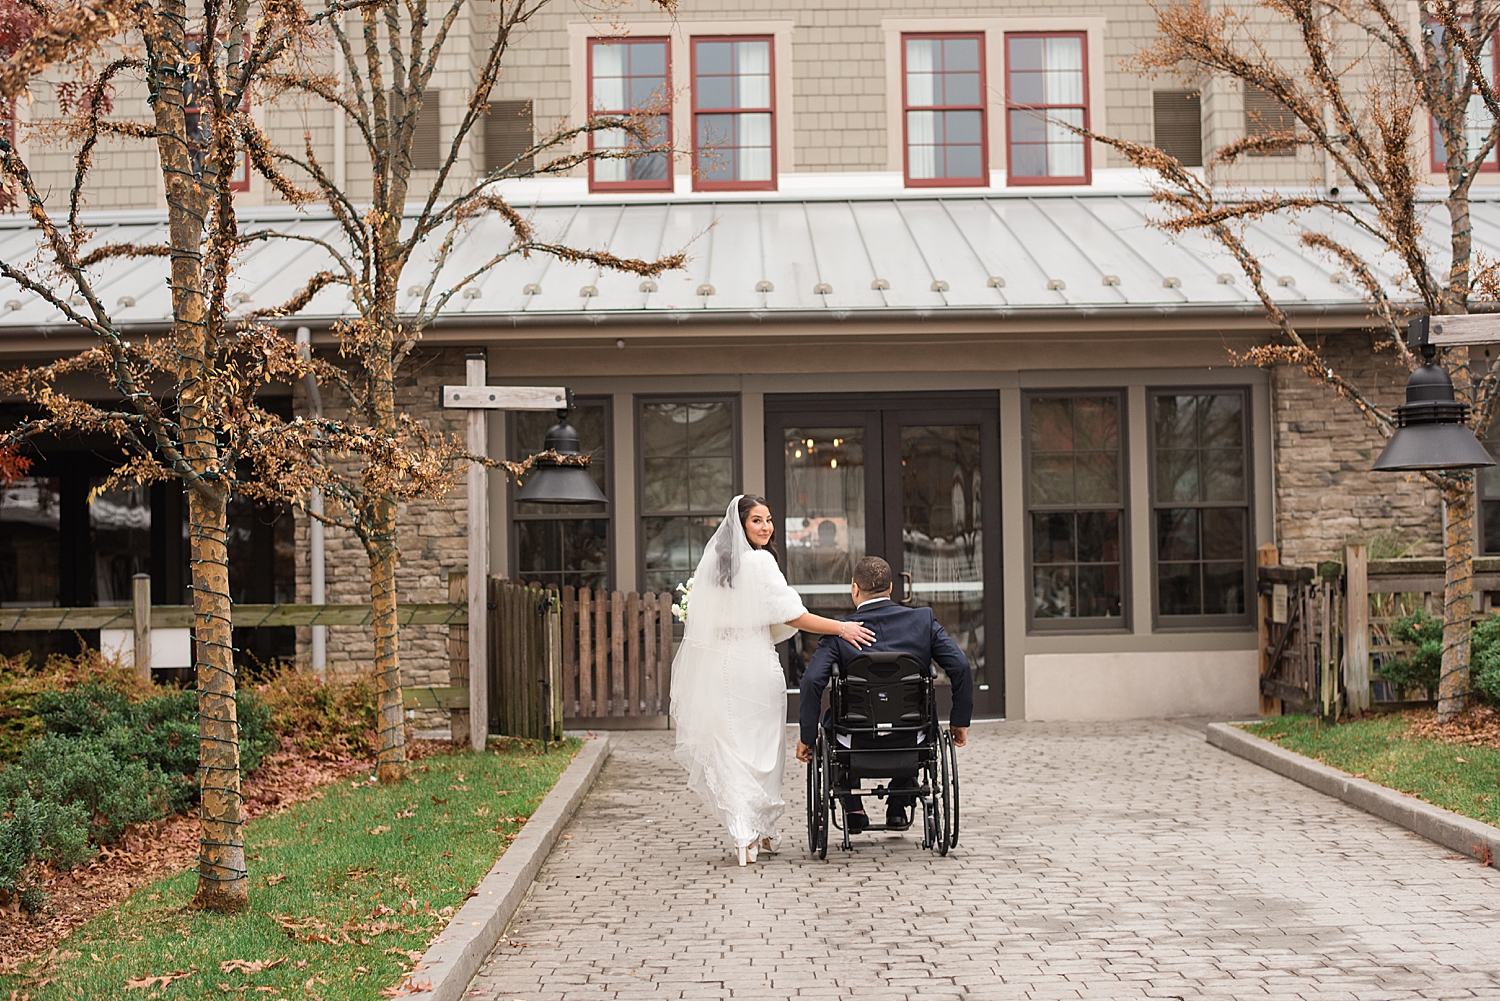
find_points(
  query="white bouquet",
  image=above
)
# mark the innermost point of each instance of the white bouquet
(679, 610)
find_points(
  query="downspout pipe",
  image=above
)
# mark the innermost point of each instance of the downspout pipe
(315, 528)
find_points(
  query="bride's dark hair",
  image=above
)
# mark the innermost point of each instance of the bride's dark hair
(748, 503)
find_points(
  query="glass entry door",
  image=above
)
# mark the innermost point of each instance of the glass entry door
(911, 478)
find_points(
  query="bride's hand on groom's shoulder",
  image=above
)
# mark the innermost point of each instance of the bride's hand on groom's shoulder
(855, 634)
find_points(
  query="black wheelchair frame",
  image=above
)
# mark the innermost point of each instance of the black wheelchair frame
(882, 702)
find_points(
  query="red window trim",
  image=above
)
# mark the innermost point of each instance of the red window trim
(596, 185)
(983, 180)
(244, 106)
(702, 183)
(1490, 165)
(1011, 180)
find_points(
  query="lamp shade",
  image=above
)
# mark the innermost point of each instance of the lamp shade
(554, 483)
(1431, 428)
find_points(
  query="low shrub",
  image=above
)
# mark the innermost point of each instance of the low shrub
(1419, 669)
(324, 719)
(21, 681)
(1423, 667)
(106, 757)
(1484, 659)
(38, 831)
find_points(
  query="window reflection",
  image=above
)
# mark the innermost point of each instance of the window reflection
(1202, 504)
(564, 544)
(687, 477)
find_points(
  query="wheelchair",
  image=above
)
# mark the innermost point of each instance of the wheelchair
(882, 727)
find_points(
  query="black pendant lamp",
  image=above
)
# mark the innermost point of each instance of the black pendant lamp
(1431, 429)
(551, 482)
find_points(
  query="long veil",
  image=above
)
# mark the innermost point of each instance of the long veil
(728, 701)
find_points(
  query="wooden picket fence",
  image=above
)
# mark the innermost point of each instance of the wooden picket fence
(524, 663)
(616, 654)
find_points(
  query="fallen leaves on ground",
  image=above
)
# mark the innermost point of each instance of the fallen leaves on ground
(148, 852)
(249, 965)
(1477, 727)
(148, 981)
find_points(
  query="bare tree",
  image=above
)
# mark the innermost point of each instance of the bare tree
(1363, 77)
(183, 404)
(401, 233)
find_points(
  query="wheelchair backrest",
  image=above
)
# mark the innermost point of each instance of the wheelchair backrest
(883, 690)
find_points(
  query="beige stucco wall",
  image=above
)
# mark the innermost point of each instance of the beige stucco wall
(1101, 686)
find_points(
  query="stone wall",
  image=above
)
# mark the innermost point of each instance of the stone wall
(1326, 495)
(433, 536)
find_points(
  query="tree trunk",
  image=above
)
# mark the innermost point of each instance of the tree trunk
(1458, 597)
(222, 885)
(391, 763)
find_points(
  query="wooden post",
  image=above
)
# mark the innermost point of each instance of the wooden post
(458, 656)
(140, 600)
(554, 709)
(477, 374)
(617, 653)
(1267, 555)
(585, 652)
(1357, 628)
(1328, 681)
(633, 666)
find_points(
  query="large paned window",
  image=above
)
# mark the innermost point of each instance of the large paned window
(689, 470)
(1075, 492)
(1201, 499)
(733, 122)
(1487, 486)
(198, 113)
(30, 523)
(631, 77)
(943, 90)
(563, 544)
(1046, 90)
(1477, 119)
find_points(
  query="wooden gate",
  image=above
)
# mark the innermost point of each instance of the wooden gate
(524, 661)
(616, 656)
(1299, 637)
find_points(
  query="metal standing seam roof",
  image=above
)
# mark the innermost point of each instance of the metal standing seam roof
(769, 257)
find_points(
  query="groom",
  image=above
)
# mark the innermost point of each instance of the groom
(899, 629)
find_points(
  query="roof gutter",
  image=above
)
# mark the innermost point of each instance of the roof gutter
(675, 317)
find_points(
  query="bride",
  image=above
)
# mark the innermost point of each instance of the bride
(728, 690)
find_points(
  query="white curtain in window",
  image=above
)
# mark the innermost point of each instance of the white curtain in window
(755, 148)
(1477, 120)
(611, 170)
(921, 140)
(1063, 59)
(609, 77)
(921, 61)
(1064, 148)
(753, 85)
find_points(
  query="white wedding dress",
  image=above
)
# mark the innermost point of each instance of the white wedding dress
(728, 689)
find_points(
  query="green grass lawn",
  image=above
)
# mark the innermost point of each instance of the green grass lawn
(345, 892)
(1463, 779)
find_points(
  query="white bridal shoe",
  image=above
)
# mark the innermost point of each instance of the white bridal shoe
(748, 853)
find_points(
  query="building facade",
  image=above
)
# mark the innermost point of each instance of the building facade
(921, 317)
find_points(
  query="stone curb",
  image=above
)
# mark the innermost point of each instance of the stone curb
(454, 957)
(1451, 830)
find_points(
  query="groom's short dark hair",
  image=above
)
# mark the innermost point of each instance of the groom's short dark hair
(873, 575)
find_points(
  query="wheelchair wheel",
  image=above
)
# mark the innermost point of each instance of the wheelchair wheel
(953, 811)
(819, 775)
(942, 797)
(825, 809)
(930, 822)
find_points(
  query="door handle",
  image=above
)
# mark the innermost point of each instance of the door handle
(906, 588)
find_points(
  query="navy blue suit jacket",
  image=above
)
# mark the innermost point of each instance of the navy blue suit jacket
(899, 629)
